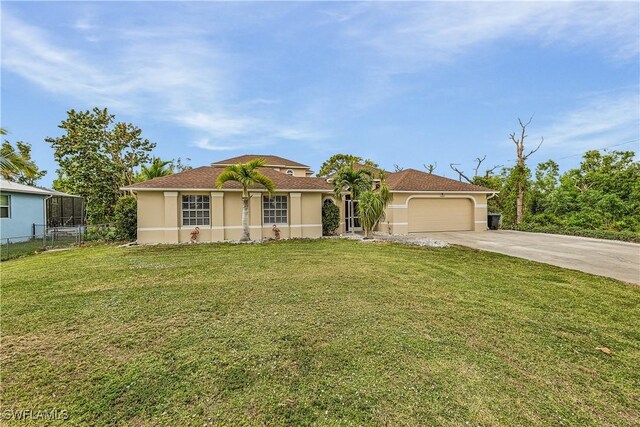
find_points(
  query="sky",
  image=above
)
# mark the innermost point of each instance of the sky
(402, 83)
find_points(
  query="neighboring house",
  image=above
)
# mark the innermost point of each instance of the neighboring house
(170, 207)
(21, 206)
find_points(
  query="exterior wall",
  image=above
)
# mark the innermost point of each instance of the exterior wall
(311, 222)
(297, 171)
(151, 222)
(397, 221)
(160, 217)
(25, 210)
(233, 216)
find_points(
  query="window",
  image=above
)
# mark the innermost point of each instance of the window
(289, 172)
(274, 210)
(5, 206)
(195, 210)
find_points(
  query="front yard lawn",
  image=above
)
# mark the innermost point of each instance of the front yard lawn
(328, 332)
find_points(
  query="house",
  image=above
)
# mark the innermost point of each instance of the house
(170, 207)
(24, 209)
(21, 206)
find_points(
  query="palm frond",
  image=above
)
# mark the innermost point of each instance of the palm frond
(255, 163)
(227, 175)
(266, 182)
(13, 163)
(247, 175)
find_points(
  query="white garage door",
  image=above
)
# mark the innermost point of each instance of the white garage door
(440, 215)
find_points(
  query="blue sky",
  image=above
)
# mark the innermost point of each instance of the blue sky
(400, 83)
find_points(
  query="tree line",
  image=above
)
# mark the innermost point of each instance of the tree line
(97, 155)
(602, 193)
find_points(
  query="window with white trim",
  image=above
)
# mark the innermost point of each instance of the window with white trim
(5, 206)
(275, 210)
(195, 210)
(289, 172)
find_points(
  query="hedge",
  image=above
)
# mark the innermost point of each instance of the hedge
(625, 236)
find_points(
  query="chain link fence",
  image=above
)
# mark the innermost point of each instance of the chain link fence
(47, 238)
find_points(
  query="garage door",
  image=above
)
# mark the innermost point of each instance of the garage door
(440, 215)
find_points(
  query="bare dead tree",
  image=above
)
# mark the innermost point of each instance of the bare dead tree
(430, 167)
(521, 165)
(489, 172)
(479, 162)
(461, 174)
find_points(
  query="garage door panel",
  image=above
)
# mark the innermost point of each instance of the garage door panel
(440, 215)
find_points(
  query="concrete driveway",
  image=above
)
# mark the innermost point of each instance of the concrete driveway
(619, 260)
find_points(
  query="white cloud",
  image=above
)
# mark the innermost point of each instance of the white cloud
(602, 121)
(207, 144)
(170, 75)
(425, 33)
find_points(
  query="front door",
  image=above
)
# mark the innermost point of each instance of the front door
(351, 219)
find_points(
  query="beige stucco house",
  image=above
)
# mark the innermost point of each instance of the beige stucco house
(169, 208)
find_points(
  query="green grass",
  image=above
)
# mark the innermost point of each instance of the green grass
(35, 245)
(328, 332)
(20, 249)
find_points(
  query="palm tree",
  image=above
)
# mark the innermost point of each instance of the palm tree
(247, 175)
(13, 163)
(157, 168)
(349, 179)
(371, 206)
(353, 180)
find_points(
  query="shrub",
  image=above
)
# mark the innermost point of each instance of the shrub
(100, 232)
(626, 236)
(330, 218)
(126, 218)
(371, 207)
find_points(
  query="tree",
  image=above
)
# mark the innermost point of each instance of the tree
(96, 157)
(371, 206)
(547, 175)
(181, 166)
(520, 172)
(348, 178)
(336, 162)
(430, 167)
(156, 169)
(461, 175)
(16, 164)
(603, 193)
(247, 175)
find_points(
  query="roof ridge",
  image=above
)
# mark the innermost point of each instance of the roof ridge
(270, 159)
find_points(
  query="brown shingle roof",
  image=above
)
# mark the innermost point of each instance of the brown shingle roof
(205, 178)
(269, 161)
(415, 180)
